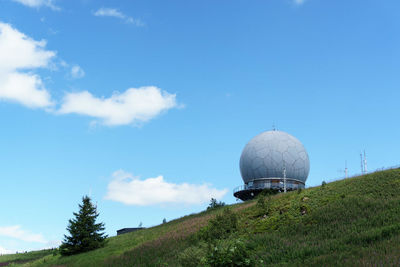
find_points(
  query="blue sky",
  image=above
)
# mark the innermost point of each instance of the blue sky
(147, 105)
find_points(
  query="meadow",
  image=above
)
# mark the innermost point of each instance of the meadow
(351, 222)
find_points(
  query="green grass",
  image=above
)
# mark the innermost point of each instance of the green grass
(24, 257)
(352, 222)
(117, 247)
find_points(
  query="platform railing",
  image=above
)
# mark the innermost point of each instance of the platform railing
(271, 185)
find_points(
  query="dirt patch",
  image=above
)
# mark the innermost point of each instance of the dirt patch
(244, 206)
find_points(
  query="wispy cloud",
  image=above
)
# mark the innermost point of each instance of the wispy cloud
(135, 105)
(17, 232)
(112, 12)
(77, 72)
(19, 53)
(38, 3)
(109, 12)
(130, 190)
(299, 2)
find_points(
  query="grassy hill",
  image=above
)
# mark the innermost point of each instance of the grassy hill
(351, 222)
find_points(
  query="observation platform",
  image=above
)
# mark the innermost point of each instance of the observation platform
(252, 189)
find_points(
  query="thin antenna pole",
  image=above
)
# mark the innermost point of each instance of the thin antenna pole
(346, 170)
(362, 165)
(365, 162)
(284, 179)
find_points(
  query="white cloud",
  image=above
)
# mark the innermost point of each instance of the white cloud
(131, 190)
(16, 232)
(19, 53)
(109, 12)
(5, 251)
(77, 72)
(299, 2)
(52, 244)
(132, 106)
(38, 3)
(112, 12)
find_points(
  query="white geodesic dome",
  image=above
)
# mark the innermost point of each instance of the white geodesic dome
(267, 154)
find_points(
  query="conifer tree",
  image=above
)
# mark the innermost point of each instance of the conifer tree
(85, 233)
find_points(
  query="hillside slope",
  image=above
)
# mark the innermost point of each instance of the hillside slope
(350, 222)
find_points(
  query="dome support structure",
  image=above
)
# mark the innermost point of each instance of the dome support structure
(278, 185)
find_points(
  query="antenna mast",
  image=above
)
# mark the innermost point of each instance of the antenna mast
(284, 179)
(365, 162)
(362, 165)
(346, 171)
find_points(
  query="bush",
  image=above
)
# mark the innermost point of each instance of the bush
(299, 191)
(221, 226)
(55, 252)
(263, 204)
(194, 256)
(229, 253)
(269, 192)
(215, 204)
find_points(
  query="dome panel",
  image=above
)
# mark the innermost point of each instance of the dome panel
(257, 163)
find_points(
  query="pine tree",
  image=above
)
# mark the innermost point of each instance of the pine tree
(85, 233)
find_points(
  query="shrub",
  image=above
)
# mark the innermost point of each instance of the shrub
(229, 253)
(55, 252)
(269, 192)
(194, 256)
(215, 204)
(221, 226)
(299, 191)
(263, 204)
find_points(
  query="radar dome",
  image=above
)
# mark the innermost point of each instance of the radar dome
(271, 152)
